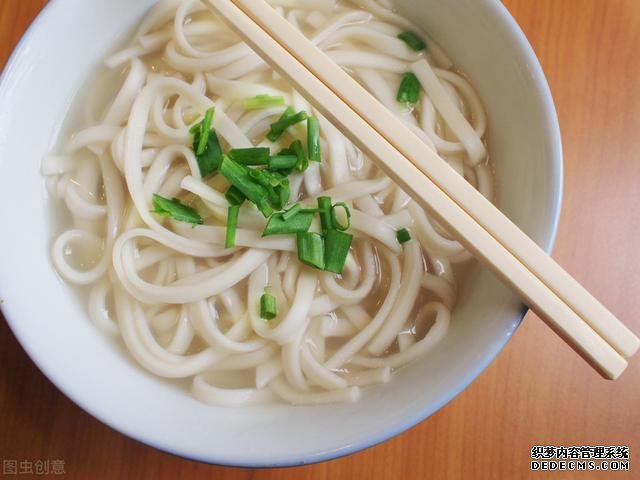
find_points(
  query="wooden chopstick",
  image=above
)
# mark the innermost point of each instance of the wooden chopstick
(561, 301)
(478, 207)
(381, 119)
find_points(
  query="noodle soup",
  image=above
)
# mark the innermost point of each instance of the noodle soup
(230, 235)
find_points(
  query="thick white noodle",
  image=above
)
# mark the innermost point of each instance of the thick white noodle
(229, 397)
(435, 334)
(186, 306)
(409, 289)
(454, 118)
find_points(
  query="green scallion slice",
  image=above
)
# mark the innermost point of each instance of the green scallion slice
(334, 218)
(336, 249)
(286, 120)
(263, 101)
(232, 225)
(268, 306)
(202, 130)
(265, 207)
(284, 192)
(282, 162)
(250, 156)
(175, 209)
(288, 112)
(235, 196)
(239, 176)
(313, 139)
(210, 158)
(413, 41)
(278, 225)
(311, 249)
(294, 210)
(271, 181)
(409, 91)
(324, 207)
(302, 162)
(403, 235)
(261, 176)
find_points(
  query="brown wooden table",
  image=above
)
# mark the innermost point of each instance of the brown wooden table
(537, 392)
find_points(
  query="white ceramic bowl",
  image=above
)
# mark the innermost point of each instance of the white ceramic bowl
(52, 62)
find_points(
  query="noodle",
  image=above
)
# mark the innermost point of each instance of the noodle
(186, 306)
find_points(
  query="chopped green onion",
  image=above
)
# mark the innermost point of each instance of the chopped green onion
(276, 178)
(324, 207)
(196, 128)
(313, 139)
(336, 249)
(265, 208)
(302, 162)
(412, 40)
(288, 112)
(278, 225)
(285, 152)
(291, 212)
(175, 209)
(232, 225)
(275, 184)
(311, 249)
(285, 121)
(268, 306)
(239, 176)
(202, 130)
(250, 156)
(284, 192)
(334, 218)
(263, 101)
(409, 91)
(260, 176)
(403, 235)
(282, 162)
(234, 196)
(209, 160)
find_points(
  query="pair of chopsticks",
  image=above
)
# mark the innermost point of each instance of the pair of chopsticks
(583, 322)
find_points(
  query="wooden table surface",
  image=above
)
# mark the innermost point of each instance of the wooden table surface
(538, 392)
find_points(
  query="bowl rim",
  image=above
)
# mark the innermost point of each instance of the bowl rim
(524, 49)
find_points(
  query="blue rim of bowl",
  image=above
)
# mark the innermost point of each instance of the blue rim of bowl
(497, 10)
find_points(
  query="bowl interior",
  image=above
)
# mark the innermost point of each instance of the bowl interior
(52, 63)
